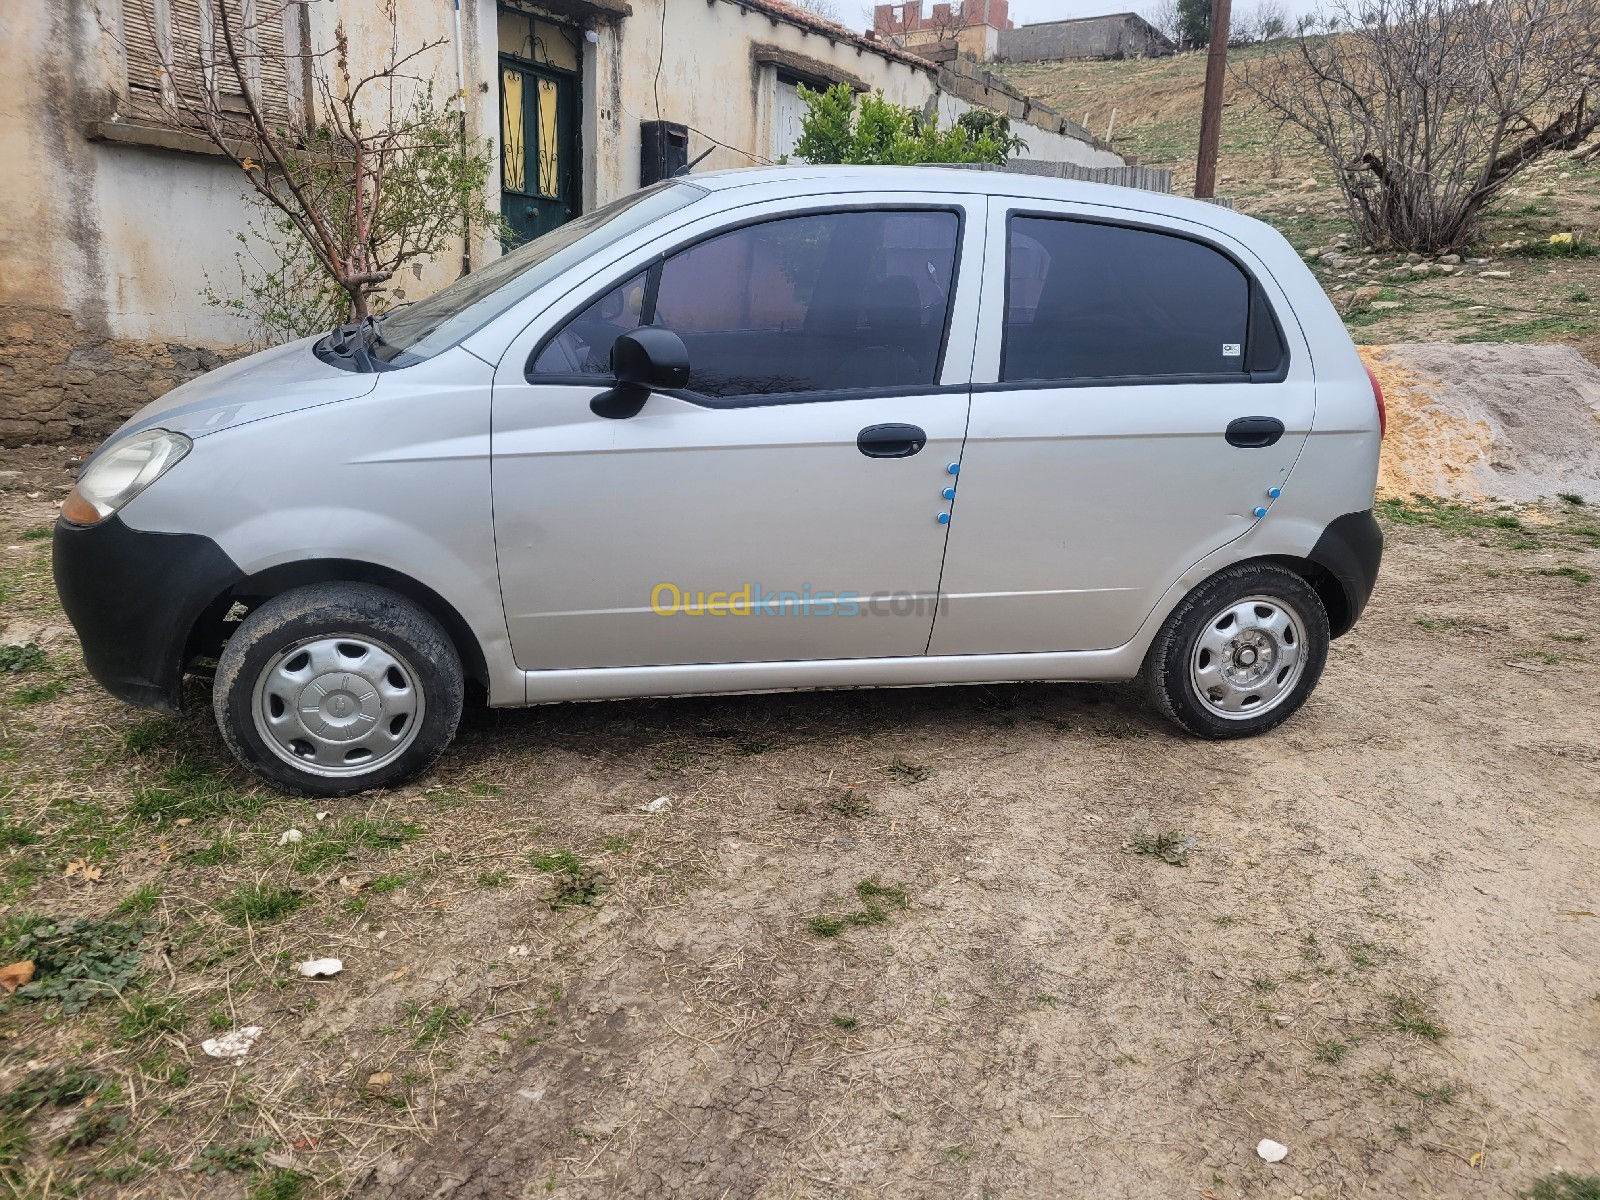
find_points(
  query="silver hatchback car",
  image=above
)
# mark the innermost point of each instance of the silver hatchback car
(747, 432)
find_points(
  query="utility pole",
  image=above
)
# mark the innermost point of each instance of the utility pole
(1205, 171)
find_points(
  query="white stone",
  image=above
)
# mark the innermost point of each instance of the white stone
(1271, 1151)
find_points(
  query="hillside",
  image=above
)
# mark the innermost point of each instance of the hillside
(1524, 293)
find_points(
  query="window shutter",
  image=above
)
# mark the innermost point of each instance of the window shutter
(187, 34)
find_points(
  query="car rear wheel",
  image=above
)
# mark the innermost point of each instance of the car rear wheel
(1241, 653)
(337, 688)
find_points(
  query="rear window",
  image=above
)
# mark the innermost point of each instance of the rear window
(1089, 301)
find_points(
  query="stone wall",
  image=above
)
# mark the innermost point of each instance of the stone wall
(1121, 36)
(59, 381)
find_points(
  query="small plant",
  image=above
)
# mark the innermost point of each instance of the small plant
(909, 772)
(139, 903)
(147, 1017)
(39, 533)
(50, 1086)
(576, 883)
(15, 837)
(1171, 847)
(850, 802)
(493, 879)
(75, 961)
(281, 1184)
(261, 904)
(1571, 498)
(436, 1023)
(17, 659)
(40, 693)
(1576, 574)
(1407, 1014)
(1332, 1051)
(876, 898)
(827, 927)
(240, 1156)
(843, 1022)
(224, 849)
(1564, 1186)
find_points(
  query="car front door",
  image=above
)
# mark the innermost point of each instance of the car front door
(789, 503)
(1135, 406)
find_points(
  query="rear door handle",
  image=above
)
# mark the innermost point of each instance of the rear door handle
(1254, 432)
(890, 441)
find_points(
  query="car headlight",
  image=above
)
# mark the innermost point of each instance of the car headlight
(122, 472)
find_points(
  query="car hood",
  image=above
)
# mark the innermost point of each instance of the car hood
(275, 381)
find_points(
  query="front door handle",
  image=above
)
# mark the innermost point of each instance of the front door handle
(1252, 433)
(890, 441)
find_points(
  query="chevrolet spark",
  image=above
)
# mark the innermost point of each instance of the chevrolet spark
(748, 432)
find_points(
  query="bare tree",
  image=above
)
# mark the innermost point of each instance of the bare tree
(1427, 108)
(374, 177)
(1163, 15)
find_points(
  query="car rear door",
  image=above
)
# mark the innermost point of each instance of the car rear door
(788, 504)
(1140, 389)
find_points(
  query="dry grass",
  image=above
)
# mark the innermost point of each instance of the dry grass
(549, 990)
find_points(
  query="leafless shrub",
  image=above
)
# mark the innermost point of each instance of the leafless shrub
(1428, 108)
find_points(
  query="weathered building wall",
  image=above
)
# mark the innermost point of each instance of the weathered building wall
(111, 233)
(1122, 36)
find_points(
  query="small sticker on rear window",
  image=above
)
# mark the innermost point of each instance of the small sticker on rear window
(1230, 349)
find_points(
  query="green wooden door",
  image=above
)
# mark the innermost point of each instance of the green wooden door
(538, 148)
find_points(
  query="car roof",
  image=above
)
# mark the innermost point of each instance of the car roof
(803, 179)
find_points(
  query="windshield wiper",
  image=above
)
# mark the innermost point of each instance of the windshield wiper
(358, 341)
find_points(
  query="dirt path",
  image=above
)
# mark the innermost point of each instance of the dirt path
(1383, 950)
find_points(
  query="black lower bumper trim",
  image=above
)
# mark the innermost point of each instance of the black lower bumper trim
(1351, 550)
(133, 597)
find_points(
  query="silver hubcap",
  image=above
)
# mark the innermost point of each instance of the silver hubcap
(338, 705)
(1248, 658)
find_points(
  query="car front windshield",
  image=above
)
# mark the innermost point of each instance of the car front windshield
(421, 330)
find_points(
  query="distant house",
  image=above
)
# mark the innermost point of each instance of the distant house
(1119, 35)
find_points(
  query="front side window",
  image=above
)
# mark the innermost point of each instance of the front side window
(1088, 301)
(822, 302)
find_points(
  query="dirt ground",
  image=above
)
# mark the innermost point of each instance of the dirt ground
(901, 943)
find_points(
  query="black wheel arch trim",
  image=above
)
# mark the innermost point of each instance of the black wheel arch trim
(1349, 551)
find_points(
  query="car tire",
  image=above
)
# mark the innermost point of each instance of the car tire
(1240, 654)
(337, 688)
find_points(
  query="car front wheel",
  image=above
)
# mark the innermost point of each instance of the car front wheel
(337, 688)
(1241, 653)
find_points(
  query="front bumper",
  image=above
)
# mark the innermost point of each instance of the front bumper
(133, 598)
(1351, 550)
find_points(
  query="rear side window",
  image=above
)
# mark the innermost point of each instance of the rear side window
(805, 304)
(1089, 301)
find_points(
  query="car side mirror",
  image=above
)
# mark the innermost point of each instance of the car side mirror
(650, 359)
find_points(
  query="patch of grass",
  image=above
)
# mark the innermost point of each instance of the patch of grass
(373, 834)
(75, 961)
(434, 1024)
(140, 902)
(147, 1017)
(1576, 574)
(1438, 1093)
(1445, 514)
(909, 772)
(224, 849)
(827, 927)
(850, 802)
(37, 533)
(493, 879)
(280, 1184)
(1407, 1014)
(15, 837)
(40, 693)
(1571, 498)
(843, 1022)
(384, 884)
(576, 883)
(871, 891)
(959, 1154)
(1262, 983)
(1331, 1051)
(1563, 1185)
(262, 904)
(50, 1086)
(149, 736)
(1170, 847)
(239, 1156)
(14, 660)
(876, 899)
(191, 788)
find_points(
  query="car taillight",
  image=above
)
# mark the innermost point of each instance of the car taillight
(1377, 398)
